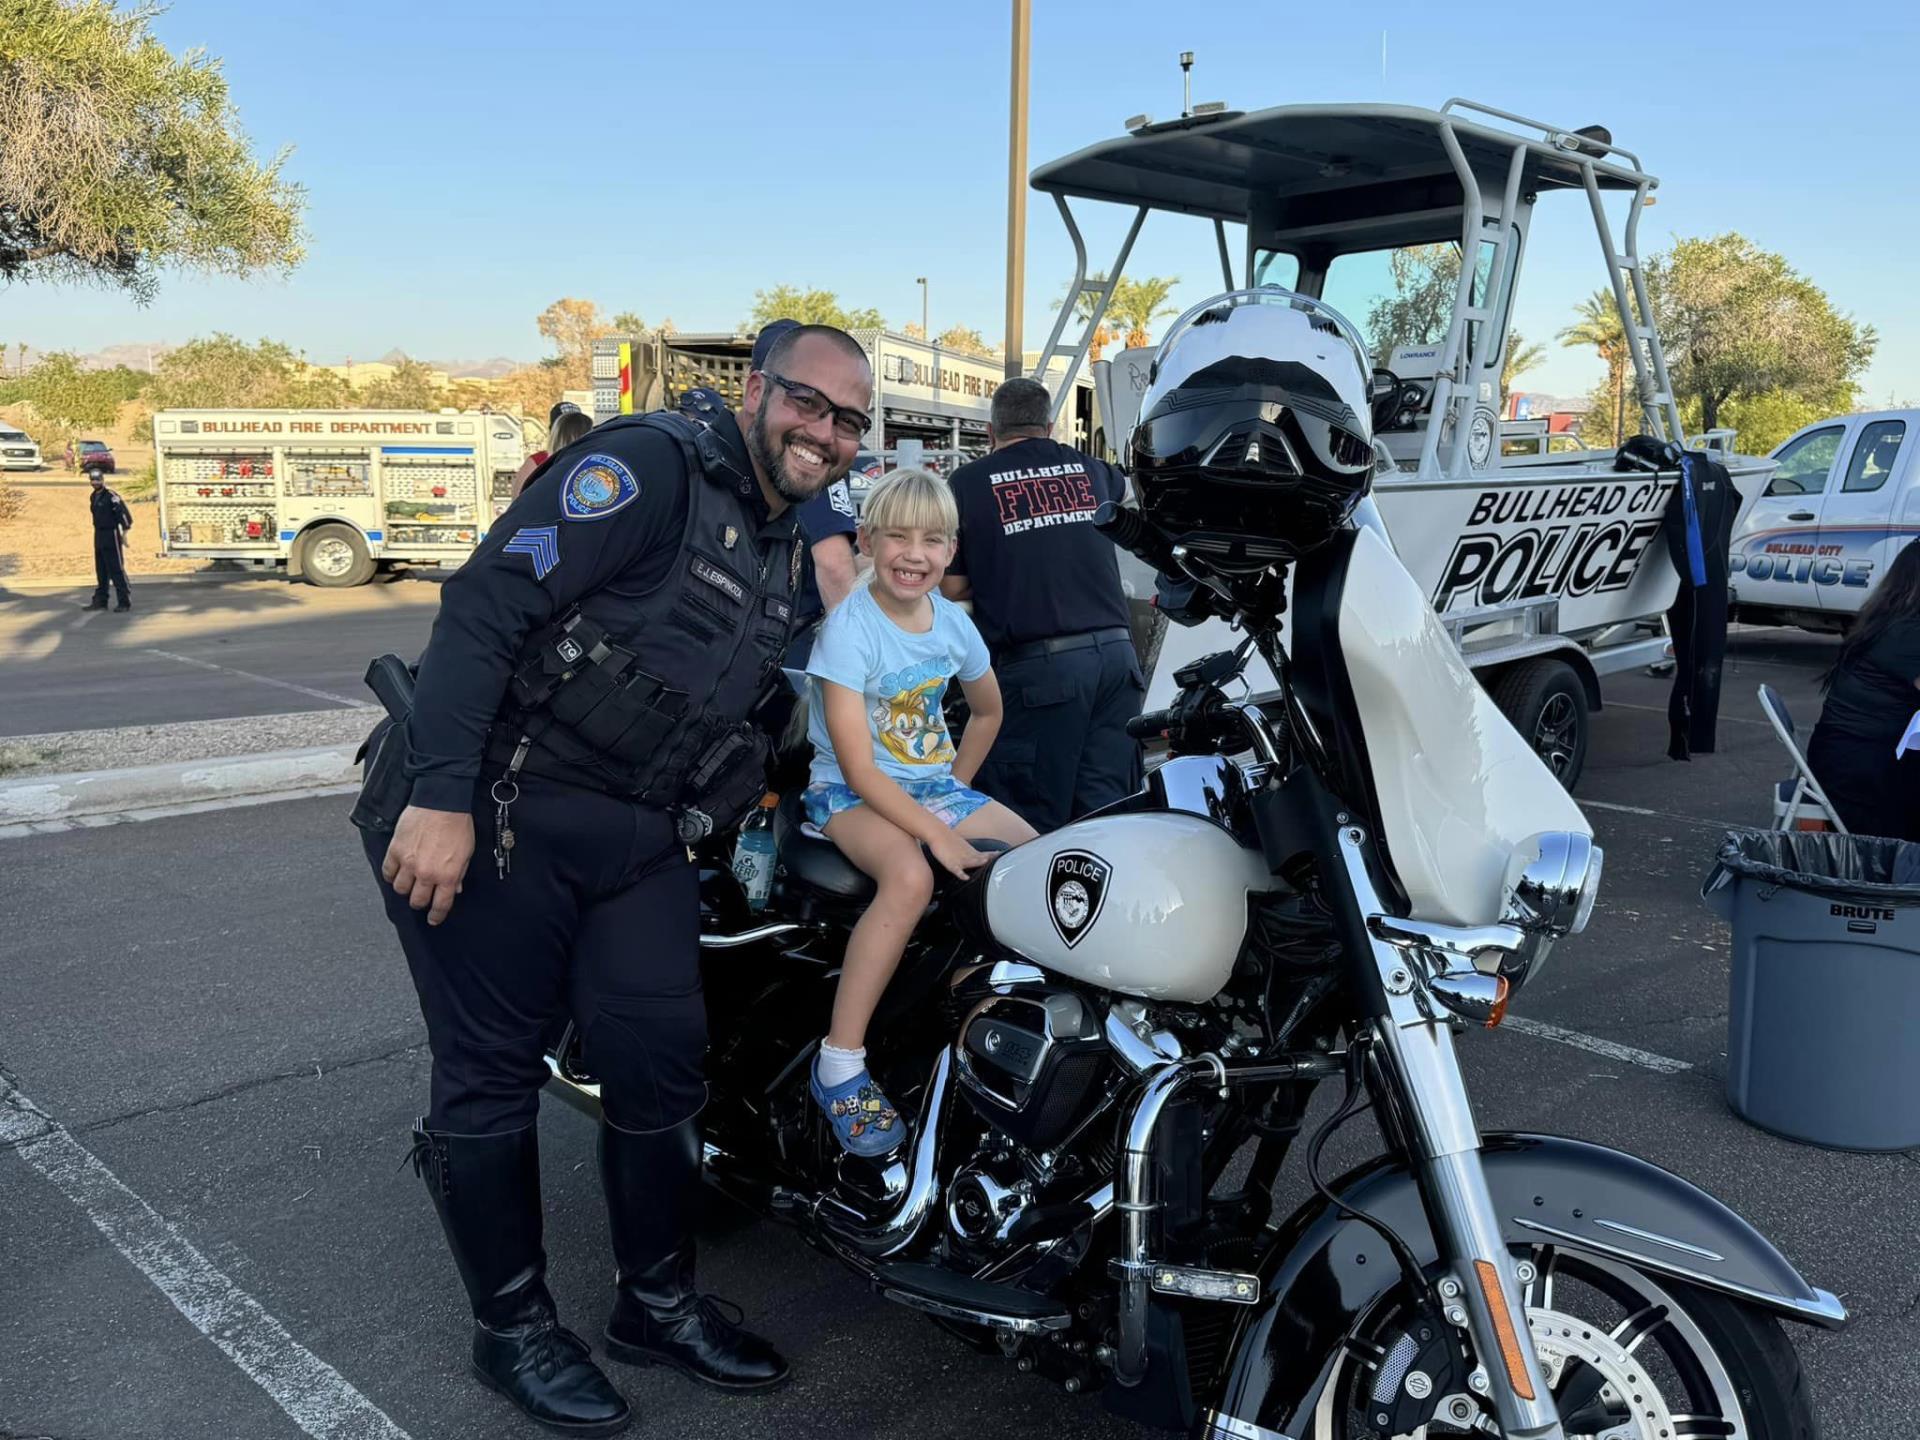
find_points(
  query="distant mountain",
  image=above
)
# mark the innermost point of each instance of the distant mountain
(490, 369)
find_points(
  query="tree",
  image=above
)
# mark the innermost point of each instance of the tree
(1083, 306)
(118, 158)
(1522, 355)
(1738, 323)
(809, 307)
(61, 391)
(573, 326)
(966, 341)
(1137, 304)
(1597, 324)
(410, 387)
(220, 372)
(1426, 281)
(628, 322)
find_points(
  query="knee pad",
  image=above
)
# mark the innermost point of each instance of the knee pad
(649, 1054)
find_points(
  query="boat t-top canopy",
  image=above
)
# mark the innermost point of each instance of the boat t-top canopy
(1320, 181)
(1382, 174)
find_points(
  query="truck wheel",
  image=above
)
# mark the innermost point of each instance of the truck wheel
(1548, 706)
(335, 556)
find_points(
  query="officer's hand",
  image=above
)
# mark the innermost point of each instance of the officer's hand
(428, 857)
(957, 855)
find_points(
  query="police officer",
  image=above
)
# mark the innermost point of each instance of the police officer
(1045, 587)
(111, 521)
(578, 709)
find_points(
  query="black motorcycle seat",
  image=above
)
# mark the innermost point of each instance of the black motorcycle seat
(816, 862)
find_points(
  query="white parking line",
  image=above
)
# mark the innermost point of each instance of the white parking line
(327, 695)
(317, 1397)
(1593, 1044)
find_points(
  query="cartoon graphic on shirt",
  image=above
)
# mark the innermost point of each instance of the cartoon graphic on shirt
(911, 725)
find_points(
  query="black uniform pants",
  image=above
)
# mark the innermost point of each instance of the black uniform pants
(109, 567)
(1063, 748)
(600, 918)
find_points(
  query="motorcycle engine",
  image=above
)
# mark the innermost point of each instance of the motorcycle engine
(1028, 1061)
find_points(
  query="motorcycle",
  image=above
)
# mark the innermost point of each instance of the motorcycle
(1105, 1042)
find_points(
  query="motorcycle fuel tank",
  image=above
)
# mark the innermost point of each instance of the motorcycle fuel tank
(1153, 905)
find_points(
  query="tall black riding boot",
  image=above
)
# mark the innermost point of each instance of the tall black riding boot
(487, 1190)
(659, 1318)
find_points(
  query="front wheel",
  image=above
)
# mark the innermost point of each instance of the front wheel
(335, 556)
(1628, 1357)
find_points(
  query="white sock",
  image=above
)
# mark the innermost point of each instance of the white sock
(836, 1066)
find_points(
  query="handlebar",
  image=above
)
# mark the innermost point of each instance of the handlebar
(1136, 535)
(1150, 725)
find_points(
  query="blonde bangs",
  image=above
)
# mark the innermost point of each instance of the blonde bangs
(911, 500)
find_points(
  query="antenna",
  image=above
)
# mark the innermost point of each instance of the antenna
(1186, 83)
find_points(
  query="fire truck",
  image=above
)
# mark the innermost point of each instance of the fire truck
(333, 495)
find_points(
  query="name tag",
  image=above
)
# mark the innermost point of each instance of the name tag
(778, 609)
(718, 578)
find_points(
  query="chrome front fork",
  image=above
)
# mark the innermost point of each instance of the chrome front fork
(1482, 1291)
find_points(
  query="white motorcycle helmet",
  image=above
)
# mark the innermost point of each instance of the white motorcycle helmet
(1255, 438)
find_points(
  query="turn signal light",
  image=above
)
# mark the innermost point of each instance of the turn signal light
(1501, 996)
(1503, 1330)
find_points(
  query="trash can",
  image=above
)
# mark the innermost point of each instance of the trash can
(1823, 1023)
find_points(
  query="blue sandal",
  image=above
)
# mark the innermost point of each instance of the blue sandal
(863, 1119)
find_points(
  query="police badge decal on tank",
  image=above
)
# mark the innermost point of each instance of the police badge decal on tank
(596, 487)
(1076, 891)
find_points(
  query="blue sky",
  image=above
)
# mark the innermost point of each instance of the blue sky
(466, 165)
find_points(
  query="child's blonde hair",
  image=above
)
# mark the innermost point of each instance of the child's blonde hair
(911, 500)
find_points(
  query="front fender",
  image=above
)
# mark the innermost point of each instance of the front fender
(1325, 1269)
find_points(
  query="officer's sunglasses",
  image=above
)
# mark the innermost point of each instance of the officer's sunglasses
(848, 423)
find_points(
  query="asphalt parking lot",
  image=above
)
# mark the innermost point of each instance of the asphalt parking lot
(218, 1033)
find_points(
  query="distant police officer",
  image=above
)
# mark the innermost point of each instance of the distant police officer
(579, 707)
(111, 522)
(1046, 595)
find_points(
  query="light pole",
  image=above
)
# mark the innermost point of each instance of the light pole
(921, 281)
(1017, 187)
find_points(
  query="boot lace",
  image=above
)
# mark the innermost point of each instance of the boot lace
(551, 1348)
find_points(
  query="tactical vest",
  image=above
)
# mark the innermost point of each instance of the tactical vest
(647, 696)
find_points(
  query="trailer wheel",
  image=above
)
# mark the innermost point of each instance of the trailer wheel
(335, 556)
(1548, 705)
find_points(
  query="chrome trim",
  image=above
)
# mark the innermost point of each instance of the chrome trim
(1468, 994)
(1018, 1325)
(749, 937)
(1462, 942)
(1824, 1309)
(878, 1239)
(1226, 1427)
(1141, 1048)
(1015, 972)
(1658, 1239)
(1553, 891)
(1137, 1201)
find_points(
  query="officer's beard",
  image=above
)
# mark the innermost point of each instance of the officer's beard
(771, 461)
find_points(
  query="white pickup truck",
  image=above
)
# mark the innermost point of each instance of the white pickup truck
(1843, 501)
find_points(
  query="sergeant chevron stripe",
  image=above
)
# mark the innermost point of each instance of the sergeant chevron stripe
(540, 544)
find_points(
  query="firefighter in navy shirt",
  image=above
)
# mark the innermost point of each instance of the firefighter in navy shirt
(580, 710)
(1045, 587)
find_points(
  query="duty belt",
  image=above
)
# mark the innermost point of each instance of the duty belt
(1054, 645)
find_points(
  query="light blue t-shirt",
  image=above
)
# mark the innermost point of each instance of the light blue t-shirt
(901, 676)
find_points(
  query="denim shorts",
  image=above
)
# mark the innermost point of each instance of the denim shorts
(945, 798)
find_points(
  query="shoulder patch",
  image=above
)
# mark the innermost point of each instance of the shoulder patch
(596, 487)
(840, 496)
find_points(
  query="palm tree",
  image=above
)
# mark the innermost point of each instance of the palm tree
(1138, 303)
(1522, 355)
(1598, 325)
(1083, 306)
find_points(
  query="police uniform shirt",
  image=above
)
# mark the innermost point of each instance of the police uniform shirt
(1037, 566)
(109, 510)
(598, 534)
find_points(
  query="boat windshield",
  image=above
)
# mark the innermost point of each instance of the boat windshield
(1404, 295)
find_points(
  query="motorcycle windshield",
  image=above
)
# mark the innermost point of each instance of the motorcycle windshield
(1458, 789)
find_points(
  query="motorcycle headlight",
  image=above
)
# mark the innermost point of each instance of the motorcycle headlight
(1553, 881)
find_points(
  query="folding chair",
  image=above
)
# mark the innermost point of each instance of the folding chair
(1801, 792)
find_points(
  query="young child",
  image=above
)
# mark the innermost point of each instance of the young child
(886, 776)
